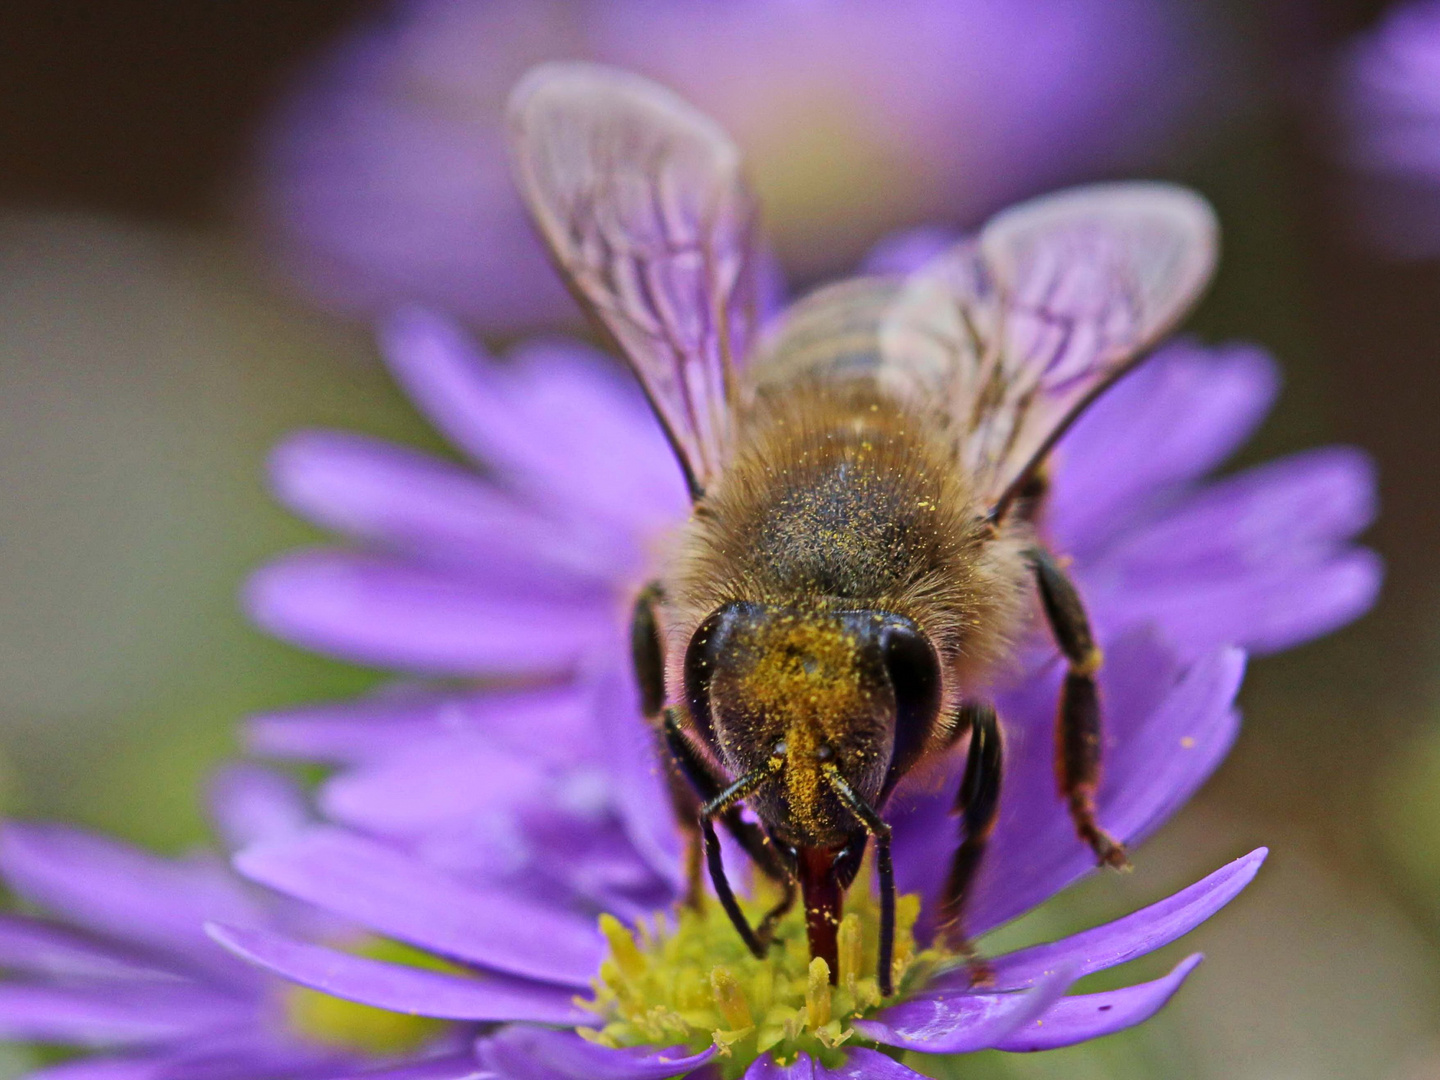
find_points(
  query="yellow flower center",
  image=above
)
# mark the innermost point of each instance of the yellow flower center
(347, 1025)
(689, 980)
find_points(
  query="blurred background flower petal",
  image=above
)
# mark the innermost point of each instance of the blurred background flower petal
(383, 179)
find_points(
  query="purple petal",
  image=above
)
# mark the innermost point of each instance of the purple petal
(1257, 559)
(591, 857)
(537, 1054)
(767, 1068)
(907, 251)
(1118, 942)
(399, 988)
(393, 614)
(1279, 512)
(862, 1064)
(450, 1067)
(141, 1015)
(411, 502)
(1089, 1016)
(243, 1053)
(108, 887)
(395, 895)
(1172, 420)
(439, 782)
(543, 424)
(1266, 612)
(552, 723)
(962, 1022)
(250, 804)
(32, 947)
(255, 1049)
(637, 780)
(108, 1068)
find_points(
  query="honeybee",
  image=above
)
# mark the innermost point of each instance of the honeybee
(865, 474)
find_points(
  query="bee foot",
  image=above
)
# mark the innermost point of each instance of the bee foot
(1111, 853)
(981, 972)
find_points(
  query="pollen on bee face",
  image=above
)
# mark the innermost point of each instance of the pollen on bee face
(806, 676)
(809, 668)
(690, 981)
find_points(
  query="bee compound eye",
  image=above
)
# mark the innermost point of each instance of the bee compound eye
(704, 656)
(914, 672)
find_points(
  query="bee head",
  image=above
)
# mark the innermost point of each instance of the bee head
(858, 691)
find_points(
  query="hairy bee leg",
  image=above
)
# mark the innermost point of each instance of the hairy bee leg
(880, 831)
(703, 784)
(978, 804)
(1077, 735)
(694, 782)
(715, 807)
(766, 930)
(647, 654)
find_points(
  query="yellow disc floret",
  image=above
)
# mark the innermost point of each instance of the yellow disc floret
(689, 980)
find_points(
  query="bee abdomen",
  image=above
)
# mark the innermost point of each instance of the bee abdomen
(837, 336)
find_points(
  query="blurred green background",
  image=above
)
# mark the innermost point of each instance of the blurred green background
(147, 364)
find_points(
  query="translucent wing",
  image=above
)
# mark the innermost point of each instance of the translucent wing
(1055, 300)
(642, 203)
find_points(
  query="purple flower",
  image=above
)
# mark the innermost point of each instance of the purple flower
(119, 965)
(616, 852)
(383, 177)
(1388, 100)
(491, 828)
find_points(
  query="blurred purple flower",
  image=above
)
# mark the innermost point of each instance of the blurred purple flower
(120, 968)
(383, 177)
(542, 808)
(1388, 101)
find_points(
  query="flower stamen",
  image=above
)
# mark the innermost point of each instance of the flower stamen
(687, 979)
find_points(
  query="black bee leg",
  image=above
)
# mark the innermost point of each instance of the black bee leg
(647, 653)
(978, 804)
(703, 785)
(766, 930)
(722, 803)
(1077, 735)
(877, 828)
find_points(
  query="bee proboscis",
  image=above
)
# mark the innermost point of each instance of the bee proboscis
(865, 477)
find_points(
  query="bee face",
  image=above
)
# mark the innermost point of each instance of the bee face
(858, 691)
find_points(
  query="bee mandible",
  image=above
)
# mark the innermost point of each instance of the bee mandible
(865, 475)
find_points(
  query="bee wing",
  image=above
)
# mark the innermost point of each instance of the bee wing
(1052, 302)
(642, 203)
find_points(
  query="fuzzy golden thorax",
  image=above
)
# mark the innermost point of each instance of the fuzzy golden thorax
(838, 500)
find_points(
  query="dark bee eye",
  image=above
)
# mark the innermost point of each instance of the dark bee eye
(914, 672)
(709, 643)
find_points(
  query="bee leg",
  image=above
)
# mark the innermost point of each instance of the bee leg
(703, 786)
(1077, 736)
(647, 654)
(766, 930)
(876, 826)
(722, 803)
(978, 804)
